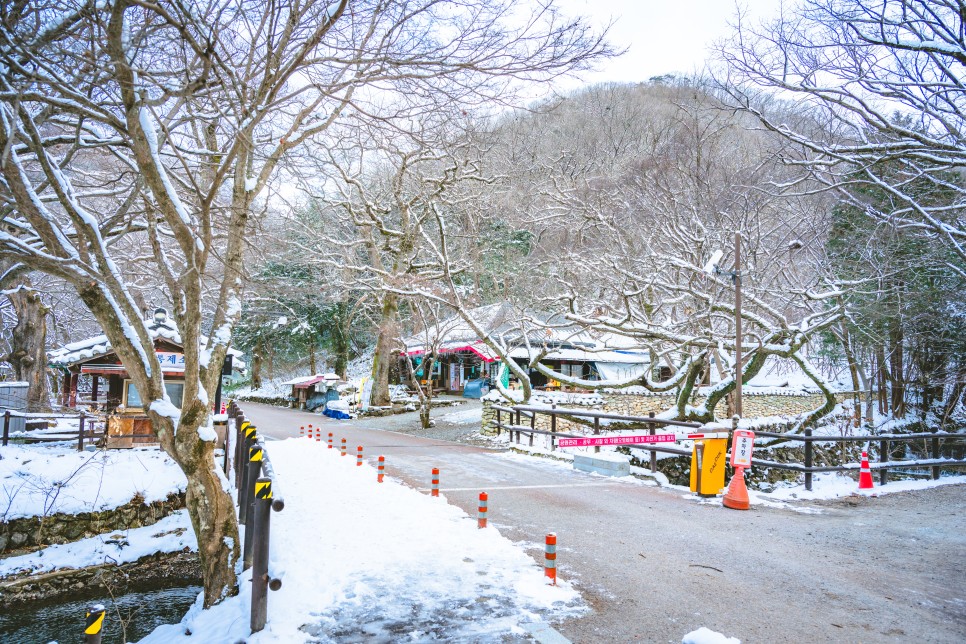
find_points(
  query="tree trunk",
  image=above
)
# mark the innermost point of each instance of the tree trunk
(882, 378)
(897, 372)
(209, 505)
(853, 372)
(383, 355)
(257, 364)
(28, 355)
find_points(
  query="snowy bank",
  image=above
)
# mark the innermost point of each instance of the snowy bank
(40, 480)
(363, 560)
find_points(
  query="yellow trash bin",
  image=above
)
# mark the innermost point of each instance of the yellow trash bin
(709, 461)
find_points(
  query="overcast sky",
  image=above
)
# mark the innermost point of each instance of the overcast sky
(663, 36)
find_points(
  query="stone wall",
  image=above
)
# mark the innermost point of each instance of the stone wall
(32, 532)
(160, 569)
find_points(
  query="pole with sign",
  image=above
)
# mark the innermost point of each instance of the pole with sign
(742, 446)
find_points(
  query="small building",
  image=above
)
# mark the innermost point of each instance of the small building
(462, 355)
(111, 389)
(312, 392)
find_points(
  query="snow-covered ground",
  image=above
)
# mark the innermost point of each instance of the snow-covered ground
(359, 559)
(40, 480)
(171, 534)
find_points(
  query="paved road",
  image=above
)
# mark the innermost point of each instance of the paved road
(655, 564)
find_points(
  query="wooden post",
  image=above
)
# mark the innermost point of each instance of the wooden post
(651, 430)
(935, 454)
(596, 433)
(883, 458)
(80, 433)
(553, 425)
(95, 382)
(72, 394)
(65, 390)
(6, 427)
(808, 460)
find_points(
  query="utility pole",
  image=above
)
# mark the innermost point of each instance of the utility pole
(737, 278)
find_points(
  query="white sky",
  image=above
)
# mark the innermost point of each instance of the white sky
(663, 36)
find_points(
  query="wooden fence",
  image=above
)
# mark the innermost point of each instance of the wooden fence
(879, 445)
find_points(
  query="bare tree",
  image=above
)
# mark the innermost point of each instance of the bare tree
(883, 83)
(168, 121)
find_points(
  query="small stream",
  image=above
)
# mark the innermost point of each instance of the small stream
(63, 621)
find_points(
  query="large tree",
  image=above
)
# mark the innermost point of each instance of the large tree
(167, 121)
(880, 122)
(880, 83)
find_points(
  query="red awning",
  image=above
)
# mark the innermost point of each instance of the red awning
(308, 383)
(479, 348)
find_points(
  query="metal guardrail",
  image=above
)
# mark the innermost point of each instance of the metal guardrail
(883, 442)
(254, 480)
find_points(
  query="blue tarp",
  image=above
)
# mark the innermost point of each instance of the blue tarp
(476, 388)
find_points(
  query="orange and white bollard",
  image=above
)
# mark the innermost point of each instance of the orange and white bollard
(359, 457)
(330, 440)
(481, 521)
(435, 489)
(343, 448)
(381, 469)
(550, 565)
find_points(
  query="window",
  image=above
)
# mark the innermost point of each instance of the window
(571, 370)
(132, 400)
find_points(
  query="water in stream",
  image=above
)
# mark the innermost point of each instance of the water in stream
(63, 622)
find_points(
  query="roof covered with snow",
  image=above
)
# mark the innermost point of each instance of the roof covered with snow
(99, 345)
(507, 325)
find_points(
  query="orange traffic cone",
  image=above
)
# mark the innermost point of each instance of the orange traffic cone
(865, 474)
(736, 497)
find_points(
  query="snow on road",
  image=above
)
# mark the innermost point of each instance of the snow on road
(472, 416)
(363, 561)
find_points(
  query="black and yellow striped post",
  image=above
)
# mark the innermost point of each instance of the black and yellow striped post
(261, 529)
(248, 516)
(93, 624)
(240, 426)
(249, 438)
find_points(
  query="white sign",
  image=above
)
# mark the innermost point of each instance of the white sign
(741, 448)
(366, 397)
(171, 361)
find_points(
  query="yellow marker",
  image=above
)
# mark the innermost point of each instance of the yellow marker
(250, 431)
(263, 490)
(95, 620)
(255, 454)
(245, 425)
